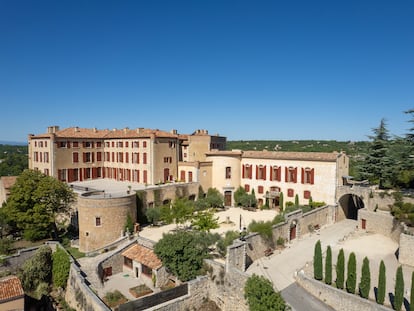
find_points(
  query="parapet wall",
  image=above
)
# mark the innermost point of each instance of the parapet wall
(380, 222)
(406, 249)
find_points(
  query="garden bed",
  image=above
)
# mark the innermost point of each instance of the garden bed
(140, 290)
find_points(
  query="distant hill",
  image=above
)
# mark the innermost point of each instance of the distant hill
(12, 143)
(349, 147)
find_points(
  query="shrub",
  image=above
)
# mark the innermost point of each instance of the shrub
(365, 284)
(317, 261)
(399, 289)
(328, 266)
(340, 269)
(351, 274)
(382, 280)
(60, 268)
(260, 295)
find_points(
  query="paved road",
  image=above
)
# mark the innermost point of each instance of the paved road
(280, 268)
(300, 300)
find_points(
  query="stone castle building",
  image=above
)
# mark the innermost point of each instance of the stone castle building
(145, 159)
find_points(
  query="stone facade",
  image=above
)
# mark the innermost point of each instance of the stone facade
(380, 222)
(102, 219)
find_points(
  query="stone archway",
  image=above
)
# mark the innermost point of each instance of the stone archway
(350, 204)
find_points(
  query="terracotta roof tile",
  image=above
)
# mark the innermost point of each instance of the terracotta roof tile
(10, 288)
(280, 155)
(77, 132)
(143, 255)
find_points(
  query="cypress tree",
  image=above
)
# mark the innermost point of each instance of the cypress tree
(351, 274)
(399, 289)
(317, 261)
(340, 269)
(296, 200)
(412, 292)
(382, 280)
(365, 284)
(328, 266)
(281, 201)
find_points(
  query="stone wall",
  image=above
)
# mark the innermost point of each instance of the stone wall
(406, 249)
(242, 253)
(338, 299)
(380, 222)
(78, 294)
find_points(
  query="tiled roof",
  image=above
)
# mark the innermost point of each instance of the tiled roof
(10, 288)
(77, 132)
(143, 255)
(302, 156)
(8, 181)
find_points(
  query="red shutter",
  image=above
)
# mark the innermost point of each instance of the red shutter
(271, 173)
(286, 174)
(257, 172)
(264, 172)
(312, 177)
(243, 171)
(302, 176)
(84, 157)
(93, 157)
(296, 175)
(94, 172)
(279, 173)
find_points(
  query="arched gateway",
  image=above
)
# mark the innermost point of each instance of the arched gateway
(350, 204)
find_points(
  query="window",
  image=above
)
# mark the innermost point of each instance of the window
(135, 157)
(261, 172)
(120, 157)
(275, 173)
(62, 144)
(46, 157)
(260, 189)
(75, 157)
(144, 158)
(247, 188)
(62, 175)
(46, 171)
(126, 157)
(98, 221)
(99, 156)
(87, 157)
(306, 194)
(41, 144)
(107, 144)
(46, 145)
(126, 144)
(172, 144)
(290, 193)
(144, 144)
(98, 144)
(107, 156)
(135, 144)
(291, 174)
(75, 144)
(120, 144)
(87, 144)
(190, 176)
(307, 175)
(36, 156)
(228, 172)
(145, 177)
(247, 171)
(182, 175)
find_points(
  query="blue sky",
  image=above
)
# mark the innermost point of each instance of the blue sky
(244, 69)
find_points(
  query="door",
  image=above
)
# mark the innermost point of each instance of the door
(363, 224)
(227, 198)
(166, 174)
(292, 232)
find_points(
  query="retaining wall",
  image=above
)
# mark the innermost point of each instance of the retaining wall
(338, 299)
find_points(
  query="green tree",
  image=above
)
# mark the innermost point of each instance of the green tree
(351, 274)
(238, 195)
(340, 269)
(60, 268)
(296, 200)
(399, 289)
(412, 292)
(182, 210)
(377, 166)
(129, 224)
(242, 198)
(205, 221)
(328, 266)
(183, 252)
(153, 214)
(261, 296)
(35, 200)
(365, 283)
(281, 203)
(382, 280)
(214, 198)
(317, 261)
(36, 275)
(264, 228)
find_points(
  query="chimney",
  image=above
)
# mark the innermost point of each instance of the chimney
(76, 129)
(174, 132)
(52, 129)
